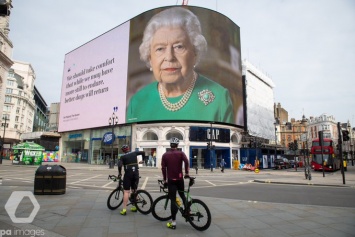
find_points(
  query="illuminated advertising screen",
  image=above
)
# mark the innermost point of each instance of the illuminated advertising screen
(167, 64)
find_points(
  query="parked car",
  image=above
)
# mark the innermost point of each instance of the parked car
(282, 163)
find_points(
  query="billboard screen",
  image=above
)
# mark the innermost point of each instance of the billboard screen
(167, 64)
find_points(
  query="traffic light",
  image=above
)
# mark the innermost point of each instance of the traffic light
(208, 146)
(338, 147)
(295, 145)
(290, 146)
(345, 135)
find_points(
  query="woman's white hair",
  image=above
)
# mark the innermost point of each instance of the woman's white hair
(174, 17)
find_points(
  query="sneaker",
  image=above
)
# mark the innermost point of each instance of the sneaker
(123, 212)
(133, 209)
(171, 226)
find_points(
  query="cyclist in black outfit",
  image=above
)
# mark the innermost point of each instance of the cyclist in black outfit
(131, 174)
(171, 165)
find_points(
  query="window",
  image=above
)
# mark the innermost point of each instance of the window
(17, 110)
(8, 91)
(8, 99)
(16, 119)
(7, 108)
(10, 83)
(234, 139)
(3, 124)
(150, 136)
(174, 134)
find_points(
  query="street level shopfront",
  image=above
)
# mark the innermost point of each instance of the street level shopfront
(204, 144)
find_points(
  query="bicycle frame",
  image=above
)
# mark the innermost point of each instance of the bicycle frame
(141, 199)
(188, 197)
(131, 199)
(196, 212)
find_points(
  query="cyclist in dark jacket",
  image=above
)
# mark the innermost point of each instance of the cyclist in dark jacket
(171, 164)
(131, 174)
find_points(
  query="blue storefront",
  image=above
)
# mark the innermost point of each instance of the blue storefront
(203, 157)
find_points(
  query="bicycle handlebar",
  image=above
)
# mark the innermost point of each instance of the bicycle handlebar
(161, 183)
(115, 178)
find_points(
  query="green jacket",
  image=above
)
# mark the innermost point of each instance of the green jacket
(146, 105)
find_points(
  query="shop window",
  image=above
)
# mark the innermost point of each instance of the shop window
(234, 139)
(149, 136)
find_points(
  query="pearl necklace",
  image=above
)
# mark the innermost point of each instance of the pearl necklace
(181, 103)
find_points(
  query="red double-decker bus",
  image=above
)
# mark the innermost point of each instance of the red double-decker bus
(331, 161)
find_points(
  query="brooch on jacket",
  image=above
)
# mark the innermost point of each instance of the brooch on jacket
(206, 96)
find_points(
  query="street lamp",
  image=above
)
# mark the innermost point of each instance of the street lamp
(3, 141)
(210, 148)
(276, 123)
(112, 121)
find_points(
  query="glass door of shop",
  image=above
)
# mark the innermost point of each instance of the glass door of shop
(198, 157)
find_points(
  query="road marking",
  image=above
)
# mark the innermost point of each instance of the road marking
(73, 175)
(145, 183)
(74, 187)
(210, 183)
(104, 186)
(86, 179)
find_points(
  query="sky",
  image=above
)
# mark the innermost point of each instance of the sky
(306, 47)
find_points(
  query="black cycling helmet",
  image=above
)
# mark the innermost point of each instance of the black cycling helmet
(125, 148)
(174, 140)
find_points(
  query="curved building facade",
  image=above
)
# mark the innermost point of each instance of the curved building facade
(171, 71)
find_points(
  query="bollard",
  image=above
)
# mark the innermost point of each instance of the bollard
(196, 169)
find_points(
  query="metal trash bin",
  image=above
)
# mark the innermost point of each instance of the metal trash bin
(50, 179)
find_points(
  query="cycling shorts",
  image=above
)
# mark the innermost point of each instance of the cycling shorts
(130, 180)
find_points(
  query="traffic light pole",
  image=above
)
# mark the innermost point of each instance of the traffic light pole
(340, 142)
(320, 135)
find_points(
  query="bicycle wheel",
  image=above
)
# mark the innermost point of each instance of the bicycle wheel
(143, 201)
(115, 199)
(161, 208)
(199, 215)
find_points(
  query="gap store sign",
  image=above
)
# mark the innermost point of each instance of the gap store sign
(205, 134)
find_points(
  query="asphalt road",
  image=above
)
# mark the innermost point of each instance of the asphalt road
(229, 185)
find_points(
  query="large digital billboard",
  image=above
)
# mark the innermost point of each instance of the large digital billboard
(167, 64)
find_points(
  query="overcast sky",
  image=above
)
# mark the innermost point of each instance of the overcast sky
(307, 47)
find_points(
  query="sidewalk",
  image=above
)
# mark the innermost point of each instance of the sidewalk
(291, 176)
(83, 212)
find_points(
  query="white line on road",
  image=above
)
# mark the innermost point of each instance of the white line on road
(107, 184)
(86, 179)
(145, 183)
(210, 183)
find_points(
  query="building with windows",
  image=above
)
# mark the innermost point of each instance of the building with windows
(5, 51)
(53, 117)
(40, 122)
(19, 104)
(325, 123)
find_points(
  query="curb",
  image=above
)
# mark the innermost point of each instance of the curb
(305, 184)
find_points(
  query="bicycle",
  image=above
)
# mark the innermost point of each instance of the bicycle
(140, 198)
(197, 214)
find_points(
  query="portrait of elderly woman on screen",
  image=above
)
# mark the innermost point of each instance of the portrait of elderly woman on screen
(171, 47)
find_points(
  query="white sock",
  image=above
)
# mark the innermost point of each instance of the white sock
(173, 222)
